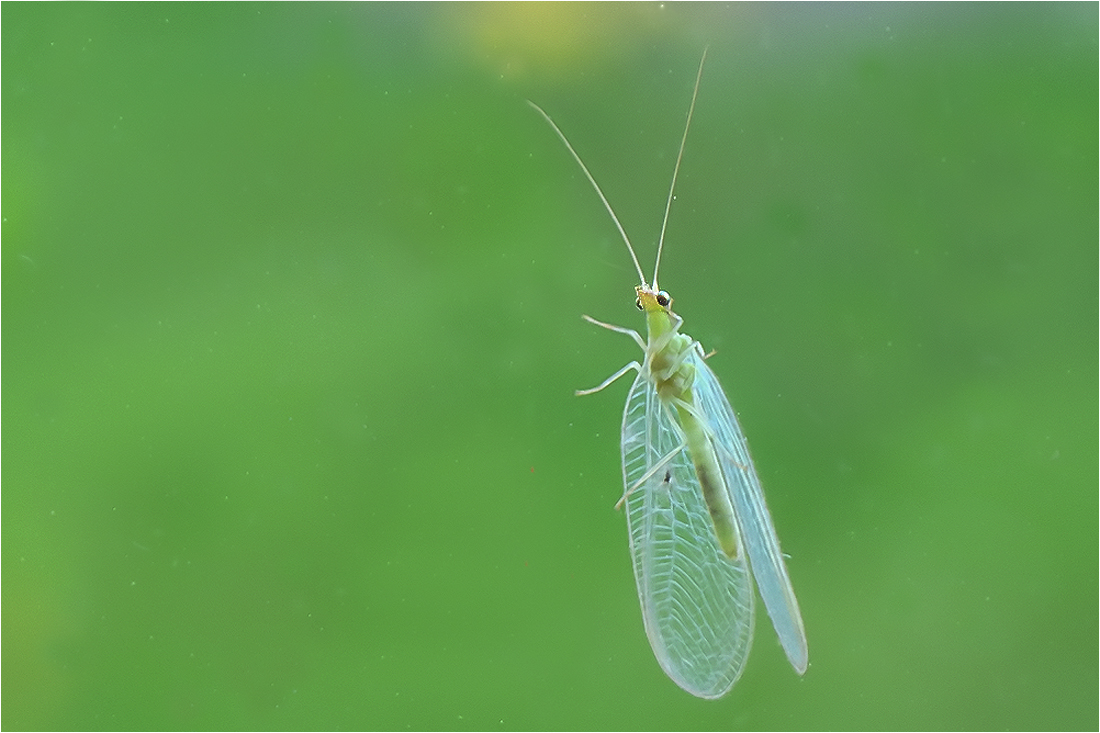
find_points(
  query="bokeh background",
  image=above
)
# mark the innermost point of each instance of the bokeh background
(291, 329)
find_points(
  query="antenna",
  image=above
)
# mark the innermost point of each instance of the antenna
(641, 275)
(675, 172)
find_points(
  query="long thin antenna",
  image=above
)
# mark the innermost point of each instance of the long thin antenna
(676, 170)
(641, 275)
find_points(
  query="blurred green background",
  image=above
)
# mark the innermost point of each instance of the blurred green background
(291, 326)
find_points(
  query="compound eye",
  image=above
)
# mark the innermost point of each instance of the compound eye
(664, 299)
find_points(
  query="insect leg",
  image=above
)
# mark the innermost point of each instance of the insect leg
(618, 329)
(649, 474)
(632, 365)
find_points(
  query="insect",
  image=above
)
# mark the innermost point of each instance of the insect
(699, 527)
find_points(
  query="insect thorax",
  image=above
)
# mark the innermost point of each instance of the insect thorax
(672, 373)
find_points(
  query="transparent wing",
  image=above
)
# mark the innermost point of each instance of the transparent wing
(697, 604)
(757, 531)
